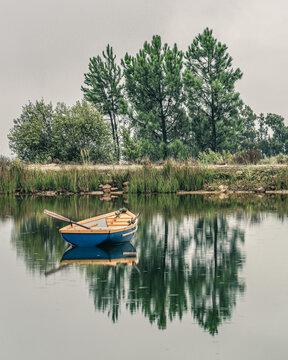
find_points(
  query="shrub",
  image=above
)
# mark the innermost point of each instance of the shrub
(282, 159)
(131, 148)
(247, 157)
(177, 150)
(268, 160)
(215, 158)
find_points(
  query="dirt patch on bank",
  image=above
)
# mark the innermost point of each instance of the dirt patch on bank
(102, 167)
(105, 167)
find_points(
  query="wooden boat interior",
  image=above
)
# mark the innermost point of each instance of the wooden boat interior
(107, 221)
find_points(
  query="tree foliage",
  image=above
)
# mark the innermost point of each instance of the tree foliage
(131, 148)
(248, 135)
(272, 135)
(104, 89)
(42, 133)
(212, 100)
(30, 137)
(155, 93)
(77, 128)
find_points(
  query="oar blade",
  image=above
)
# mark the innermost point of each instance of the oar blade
(63, 218)
(135, 218)
(56, 216)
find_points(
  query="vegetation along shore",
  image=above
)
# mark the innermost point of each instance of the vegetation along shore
(169, 177)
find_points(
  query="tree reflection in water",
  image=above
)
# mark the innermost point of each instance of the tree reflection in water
(190, 253)
(190, 265)
(214, 279)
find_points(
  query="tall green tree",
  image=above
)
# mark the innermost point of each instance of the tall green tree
(30, 136)
(212, 100)
(104, 89)
(272, 134)
(262, 135)
(154, 87)
(249, 133)
(278, 134)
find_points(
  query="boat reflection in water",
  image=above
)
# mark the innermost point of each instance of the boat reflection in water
(111, 255)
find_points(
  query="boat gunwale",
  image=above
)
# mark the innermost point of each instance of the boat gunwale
(104, 230)
(113, 262)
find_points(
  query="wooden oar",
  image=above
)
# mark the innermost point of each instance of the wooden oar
(52, 271)
(62, 218)
(135, 218)
(136, 267)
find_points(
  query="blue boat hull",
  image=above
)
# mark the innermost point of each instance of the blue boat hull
(95, 239)
(107, 252)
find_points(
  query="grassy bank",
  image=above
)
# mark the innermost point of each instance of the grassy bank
(172, 177)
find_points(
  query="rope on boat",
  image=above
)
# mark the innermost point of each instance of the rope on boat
(121, 211)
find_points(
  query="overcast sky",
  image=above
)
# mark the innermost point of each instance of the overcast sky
(46, 45)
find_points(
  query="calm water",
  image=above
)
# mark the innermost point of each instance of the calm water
(210, 283)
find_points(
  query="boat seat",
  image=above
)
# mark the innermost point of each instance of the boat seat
(100, 223)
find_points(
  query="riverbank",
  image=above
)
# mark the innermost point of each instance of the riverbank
(171, 177)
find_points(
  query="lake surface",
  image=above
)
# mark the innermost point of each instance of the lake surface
(210, 282)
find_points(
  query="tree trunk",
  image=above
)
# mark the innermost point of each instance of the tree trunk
(215, 244)
(164, 133)
(214, 290)
(113, 132)
(214, 134)
(165, 245)
(116, 137)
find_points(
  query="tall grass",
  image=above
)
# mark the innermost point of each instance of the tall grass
(15, 178)
(169, 178)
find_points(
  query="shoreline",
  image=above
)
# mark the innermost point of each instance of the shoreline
(171, 177)
(118, 194)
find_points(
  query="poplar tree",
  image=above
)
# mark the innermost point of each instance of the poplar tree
(154, 88)
(212, 100)
(104, 89)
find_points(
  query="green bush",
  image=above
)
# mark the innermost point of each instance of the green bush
(43, 133)
(282, 158)
(214, 158)
(131, 150)
(247, 157)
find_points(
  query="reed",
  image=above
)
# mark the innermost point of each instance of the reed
(168, 178)
(15, 178)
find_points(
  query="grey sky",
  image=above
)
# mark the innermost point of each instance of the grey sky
(46, 45)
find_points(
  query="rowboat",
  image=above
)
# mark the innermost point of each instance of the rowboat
(111, 255)
(114, 227)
